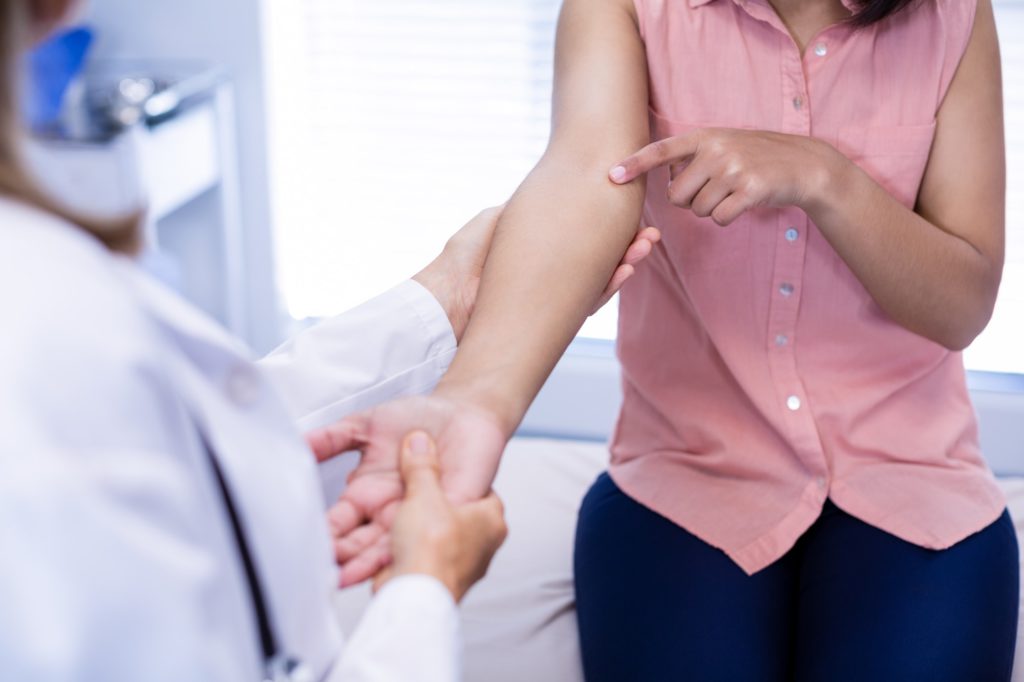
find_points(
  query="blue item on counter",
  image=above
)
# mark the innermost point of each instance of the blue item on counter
(52, 67)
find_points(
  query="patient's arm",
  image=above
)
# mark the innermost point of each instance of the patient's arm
(557, 245)
(567, 226)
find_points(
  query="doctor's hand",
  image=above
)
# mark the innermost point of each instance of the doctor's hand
(454, 276)
(722, 172)
(430, 536)
(469, 442)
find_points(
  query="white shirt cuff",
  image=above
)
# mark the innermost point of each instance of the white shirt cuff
(410, 631)
(399, 343)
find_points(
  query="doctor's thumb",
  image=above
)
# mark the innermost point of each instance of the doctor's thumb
(421, 470)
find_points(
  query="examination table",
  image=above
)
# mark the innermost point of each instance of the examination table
(518, 623)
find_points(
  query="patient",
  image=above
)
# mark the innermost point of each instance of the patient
(796, 488)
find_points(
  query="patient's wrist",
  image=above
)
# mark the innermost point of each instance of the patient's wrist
(498, 406)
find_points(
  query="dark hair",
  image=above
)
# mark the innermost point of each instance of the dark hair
(873, 11)
(117, 234)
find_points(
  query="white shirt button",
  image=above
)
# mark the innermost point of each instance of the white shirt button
(243, 386)
(786, 289)
(821, 49)
(792, 234)
(822, 482)
(793, 403)
(798, 103)
(781, 340)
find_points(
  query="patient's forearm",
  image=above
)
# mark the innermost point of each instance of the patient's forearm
(557, 244)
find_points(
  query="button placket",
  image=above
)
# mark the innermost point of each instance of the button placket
(789, 249)
(787, 277)
(796, 119)
(783, 315)
(787, 280)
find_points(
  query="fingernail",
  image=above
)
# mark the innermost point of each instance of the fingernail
(419, 444)
(618, 174)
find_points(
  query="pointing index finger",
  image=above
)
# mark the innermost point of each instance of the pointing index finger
(660, 153)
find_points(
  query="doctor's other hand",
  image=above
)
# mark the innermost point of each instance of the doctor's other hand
(454, 276)
(430, 536)
(469, 441)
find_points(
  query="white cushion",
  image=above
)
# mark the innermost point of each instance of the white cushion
(519, 623)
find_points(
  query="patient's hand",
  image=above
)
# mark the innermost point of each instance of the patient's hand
(454, 276)
(469, 443)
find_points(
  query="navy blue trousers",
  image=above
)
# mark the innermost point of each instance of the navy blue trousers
(849, 603)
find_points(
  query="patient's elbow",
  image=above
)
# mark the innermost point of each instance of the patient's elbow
(968, 326)
(957, 343)
(959, 338)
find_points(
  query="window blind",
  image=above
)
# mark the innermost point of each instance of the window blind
(394, 121)
(1000, 348)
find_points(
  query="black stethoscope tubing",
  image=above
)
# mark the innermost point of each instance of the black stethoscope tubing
(276, 667)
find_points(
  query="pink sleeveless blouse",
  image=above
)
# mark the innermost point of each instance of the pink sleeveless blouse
(759, 376)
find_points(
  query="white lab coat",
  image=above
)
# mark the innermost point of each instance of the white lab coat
(117, 559)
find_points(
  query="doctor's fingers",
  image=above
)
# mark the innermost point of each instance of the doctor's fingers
(485, 521)
(641, 247)
(482, 531)
(621, 275)
(342, 436)
(642, 244)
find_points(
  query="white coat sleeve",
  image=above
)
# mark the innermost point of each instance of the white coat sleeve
(410, 632)
(397, 344)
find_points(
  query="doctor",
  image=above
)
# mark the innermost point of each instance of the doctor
(160, 516)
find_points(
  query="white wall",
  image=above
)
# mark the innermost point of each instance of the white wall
(227, 33)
